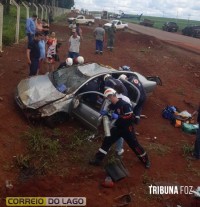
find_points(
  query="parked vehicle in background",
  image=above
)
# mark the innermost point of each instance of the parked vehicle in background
(66, 92)
(97, 16)
(170, 27)
(80, 19)
(147, 22)
(193, 31)
(129, 16)
(117, 23)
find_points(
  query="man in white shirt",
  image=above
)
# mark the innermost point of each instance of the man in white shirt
(74, 45)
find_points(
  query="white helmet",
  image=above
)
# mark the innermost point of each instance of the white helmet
(109, 91)
(69, 61)
(80, 60)
(122, 77)
(125, 68)
(106, 76)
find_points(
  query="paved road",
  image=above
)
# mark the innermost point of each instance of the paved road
(186, 42)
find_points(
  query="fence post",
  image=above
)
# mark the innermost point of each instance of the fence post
(17, 23)
(46, 13)
(1, 25)
(41, 10)
(27, 9)
(36, 9)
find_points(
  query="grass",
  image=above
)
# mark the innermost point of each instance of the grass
(187, 149)
(159, 149)
(80, 147)
(42, 151)
(53, 151)
(9, 25)
(193, 170)
(159, 21)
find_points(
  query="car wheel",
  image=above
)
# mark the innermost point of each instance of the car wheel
(125, 28)
(58, 118)
(89, 23)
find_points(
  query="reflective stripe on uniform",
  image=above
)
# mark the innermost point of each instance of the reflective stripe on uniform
(102, 151)
(137, 117)
(142, 155)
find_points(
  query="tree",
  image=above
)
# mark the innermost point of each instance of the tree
(66, 3)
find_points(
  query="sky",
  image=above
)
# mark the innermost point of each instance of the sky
(180, 9)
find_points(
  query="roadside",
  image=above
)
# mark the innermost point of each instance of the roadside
(179, 71)
(188, 43)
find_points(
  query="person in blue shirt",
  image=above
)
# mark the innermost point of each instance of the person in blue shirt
(31, 28)
(42, 46)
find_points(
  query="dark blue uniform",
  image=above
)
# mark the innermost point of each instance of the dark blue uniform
(138, 108)
(34, 56)
(197, 141)
(123, 128)
(116, 84)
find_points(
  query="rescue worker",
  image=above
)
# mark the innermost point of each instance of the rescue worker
(196, 152)
(68, 62)
(122, 112)
(133, 79)
(110, 82)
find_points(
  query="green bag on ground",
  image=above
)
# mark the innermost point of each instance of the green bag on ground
(190, 128)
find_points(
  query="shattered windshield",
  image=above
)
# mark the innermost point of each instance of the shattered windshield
(67, 80)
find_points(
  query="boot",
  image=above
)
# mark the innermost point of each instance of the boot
(96, 161)
(147, 164)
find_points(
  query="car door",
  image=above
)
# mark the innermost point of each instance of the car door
(87, 111)
(119, 25)
(80, 20)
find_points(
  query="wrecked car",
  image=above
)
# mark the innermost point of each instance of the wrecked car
(58, 95)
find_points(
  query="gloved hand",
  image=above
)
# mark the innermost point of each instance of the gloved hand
(103, 112)
(114, 116)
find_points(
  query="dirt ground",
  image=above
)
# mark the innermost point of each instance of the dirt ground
(180, 74)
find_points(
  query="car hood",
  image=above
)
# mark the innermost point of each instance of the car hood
(37, 91)
(108, 24)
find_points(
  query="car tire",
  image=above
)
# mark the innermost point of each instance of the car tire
(89, 23)
(54, 120)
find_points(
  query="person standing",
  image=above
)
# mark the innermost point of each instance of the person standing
(42, 46)
(74, 45)
(51, 51)
(31, 28)
(39, 26)
(45, 27)
(111, 36)
(132, 84)
(33, 54)
(196, 153)
(79, 31)
(122, 112)
(99, 34)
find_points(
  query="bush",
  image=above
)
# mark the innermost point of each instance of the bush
(8, 39)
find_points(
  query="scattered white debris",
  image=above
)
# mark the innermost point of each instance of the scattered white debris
(9, 185)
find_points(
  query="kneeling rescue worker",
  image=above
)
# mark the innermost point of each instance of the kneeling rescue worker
(122, 112)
